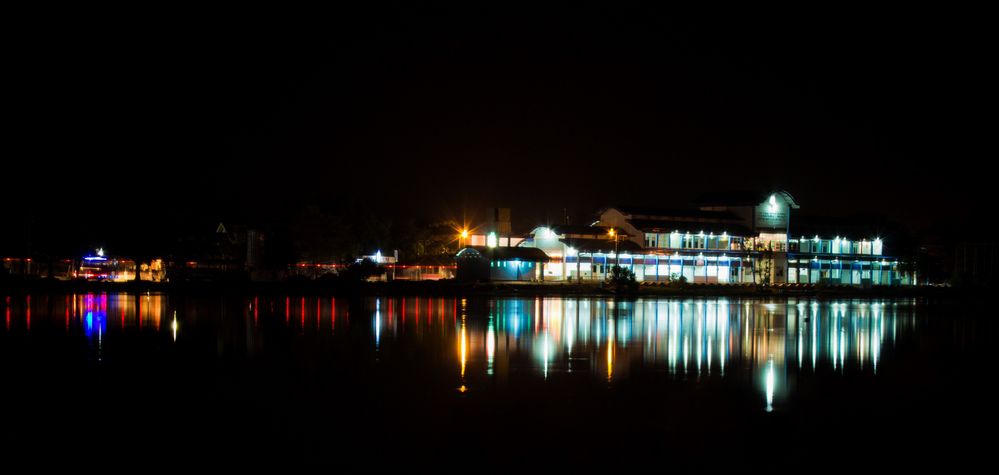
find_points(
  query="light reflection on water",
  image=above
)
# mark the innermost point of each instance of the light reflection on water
(547, 338)
(681, 338)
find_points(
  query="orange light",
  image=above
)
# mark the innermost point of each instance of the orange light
(464, 233)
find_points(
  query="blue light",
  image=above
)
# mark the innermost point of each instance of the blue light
(90, 326)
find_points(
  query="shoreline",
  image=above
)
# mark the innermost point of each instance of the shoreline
(497, 289)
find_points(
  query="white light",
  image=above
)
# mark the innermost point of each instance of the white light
(491, 239)
(569, 251)
(772, 207)
(100, 252)
(770, 385)
(174, 325)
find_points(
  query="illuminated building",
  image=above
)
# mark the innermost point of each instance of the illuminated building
(477, 263)
(106, 268)
(728, 238)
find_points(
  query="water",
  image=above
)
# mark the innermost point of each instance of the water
(369, 383)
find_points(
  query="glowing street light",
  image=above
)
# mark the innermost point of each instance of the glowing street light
(614, 235)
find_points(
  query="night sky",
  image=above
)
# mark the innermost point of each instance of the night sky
(165, 120)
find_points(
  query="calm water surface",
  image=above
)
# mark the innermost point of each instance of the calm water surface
(370, 383)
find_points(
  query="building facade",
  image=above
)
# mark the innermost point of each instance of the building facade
(732, 238)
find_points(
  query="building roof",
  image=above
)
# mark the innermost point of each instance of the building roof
(579, 229)
(731, 198)
(649, 212)
(740, 198)
(668, 226)
(854, 229)
(602, 245)
(503, 253)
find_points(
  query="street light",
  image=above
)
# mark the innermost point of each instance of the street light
(614, 234)
(462, 237)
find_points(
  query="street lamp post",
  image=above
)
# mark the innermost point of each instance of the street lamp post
(614, 234)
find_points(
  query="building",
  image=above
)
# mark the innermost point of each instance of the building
(480, 264)
(727, 238)
(496, 232)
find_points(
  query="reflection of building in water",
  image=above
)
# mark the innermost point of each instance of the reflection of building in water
(93, 313)
(607, 339)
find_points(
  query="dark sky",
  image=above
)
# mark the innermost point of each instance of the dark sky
(160, 119)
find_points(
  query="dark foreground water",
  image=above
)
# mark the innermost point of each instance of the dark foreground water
(142, 381)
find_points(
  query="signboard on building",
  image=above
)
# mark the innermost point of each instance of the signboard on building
(772, 213)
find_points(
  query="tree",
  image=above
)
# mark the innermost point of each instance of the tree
(622, 279)
(362, 270)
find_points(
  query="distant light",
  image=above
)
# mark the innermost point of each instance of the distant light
(491, 239)
(770, 380)
(773, 207)
(174, 325)
(464, 233)
(100, 251)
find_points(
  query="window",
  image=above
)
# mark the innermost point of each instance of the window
(650, 240)
(675, 241)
